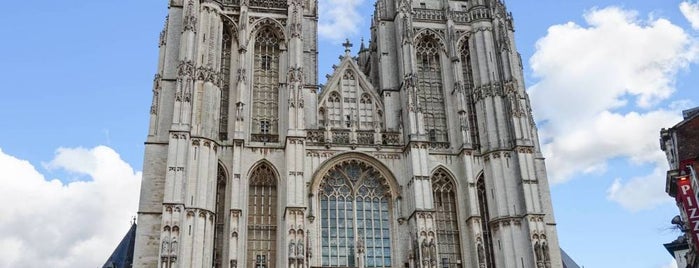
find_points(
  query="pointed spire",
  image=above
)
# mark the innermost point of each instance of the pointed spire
(362, 47)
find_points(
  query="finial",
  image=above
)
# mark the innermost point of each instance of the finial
(347, 46)
(361, 48)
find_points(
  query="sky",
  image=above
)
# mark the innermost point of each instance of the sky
(604, 77)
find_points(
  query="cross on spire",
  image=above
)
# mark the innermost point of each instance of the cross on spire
(347, 46)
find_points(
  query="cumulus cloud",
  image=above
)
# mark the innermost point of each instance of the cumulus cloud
(339, 19)
(598, 95)
(691, 12)
(640, 193)
(48, 223)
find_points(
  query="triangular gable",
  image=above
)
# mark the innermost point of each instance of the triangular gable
(348, 63)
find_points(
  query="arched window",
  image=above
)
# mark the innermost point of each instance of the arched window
(226, 53)
(334, 110)
(488, 253)
(366, 113)
(262, 218)
(355, 219)
(219, 233)
(470, 96)
(430, 91)
(265, 92)
(444, 193)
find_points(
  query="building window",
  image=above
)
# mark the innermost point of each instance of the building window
(262, 217)
(444, 195)
(265, 92)
(430, 92)
(264, 127)
(488, 252)
(219, 234)
(261, 261)
(467, 70)
(355, 216)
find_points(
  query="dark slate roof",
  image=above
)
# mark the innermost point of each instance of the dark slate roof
(568, 262)
(122, 257)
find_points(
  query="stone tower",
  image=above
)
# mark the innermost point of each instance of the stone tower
(420, 151)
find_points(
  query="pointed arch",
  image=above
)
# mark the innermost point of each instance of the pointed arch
(431, 34)
(228, 38)
(489, 254)
(271, 23)
(360, 103)
(430, 87)
(469, 91)
(384, 171)
(265, 85)
(355, 200)
(262, 215)
(445, 206)
(220, 221)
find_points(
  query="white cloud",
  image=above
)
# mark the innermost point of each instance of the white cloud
(598, 93)
(641, 192)
(671, 264)
(47, 223)
(339, 19)
(691, 12)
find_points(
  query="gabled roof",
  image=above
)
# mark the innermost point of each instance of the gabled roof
(568, 262)
(348, 63)
(122, 257)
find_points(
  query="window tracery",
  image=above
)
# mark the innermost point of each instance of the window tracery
(366, 112)
(430, 90)
(444, 193)
(219, 235)
(262, 218)
(467, 70)
(489, 256)
(265, 93)
(355, 220)
(334, 110)
(225, 85)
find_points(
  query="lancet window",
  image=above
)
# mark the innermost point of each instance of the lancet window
(486, 254)
(265, 92)
(226, 83)
(467, 70)
(355, 216)
(430, 90)
(444, 193)
(219, 233)
(334, 110)
(262, 218)
(366, 112)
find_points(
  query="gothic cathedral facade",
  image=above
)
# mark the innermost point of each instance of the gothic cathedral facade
(420, 151)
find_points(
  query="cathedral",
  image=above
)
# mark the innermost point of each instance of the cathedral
(418, 151)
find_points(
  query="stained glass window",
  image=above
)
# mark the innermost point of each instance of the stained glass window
(430, 91)
(446, 218)
(262, 218)
(265, 93)
(355, 218)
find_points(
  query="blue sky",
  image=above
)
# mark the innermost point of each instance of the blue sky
(604, 77)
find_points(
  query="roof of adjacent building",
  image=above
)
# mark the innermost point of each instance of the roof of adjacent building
(568, 262)
(122, 257)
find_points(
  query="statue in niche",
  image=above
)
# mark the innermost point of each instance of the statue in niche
(292, 249)
(300, 249)
(173, 248)
(481, 256)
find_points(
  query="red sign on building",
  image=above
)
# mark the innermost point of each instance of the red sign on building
(685, 195)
